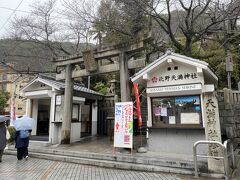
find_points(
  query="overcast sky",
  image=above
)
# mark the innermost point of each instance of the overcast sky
(7, 13)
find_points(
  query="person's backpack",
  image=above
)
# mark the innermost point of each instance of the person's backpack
(24, 134)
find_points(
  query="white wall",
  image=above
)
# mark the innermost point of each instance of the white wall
(28, 108)
(175, 141)
(52, 135)
(149, 106)
(94, 118)
(35, 116)
(75, 132)
(36, 86)
(182, 69)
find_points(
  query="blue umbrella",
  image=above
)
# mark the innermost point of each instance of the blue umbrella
(23, 123)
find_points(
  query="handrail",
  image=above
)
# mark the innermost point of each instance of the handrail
(225, 156)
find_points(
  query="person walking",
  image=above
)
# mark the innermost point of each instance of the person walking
(2, 138)
(21, 143)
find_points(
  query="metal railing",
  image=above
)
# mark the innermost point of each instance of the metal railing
(225, 156)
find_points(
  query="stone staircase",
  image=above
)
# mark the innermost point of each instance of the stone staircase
(39, 143)
(120, 161)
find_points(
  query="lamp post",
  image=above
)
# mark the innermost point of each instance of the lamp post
(229, 68)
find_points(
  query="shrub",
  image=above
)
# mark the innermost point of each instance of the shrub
(12, 132)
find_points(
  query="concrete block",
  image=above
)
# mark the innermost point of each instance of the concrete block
(229, 132)
(229, 120)
(237, 112)
(238, 133)
(226, 113)
(228, 106)
(237, 106)
(221, 113)
(238, 130)
(221, 120)
(238, 126)
(223, 130)
(221, 106)
(237, 119)
(229, 112)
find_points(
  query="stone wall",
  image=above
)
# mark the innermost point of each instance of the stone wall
(229, 112)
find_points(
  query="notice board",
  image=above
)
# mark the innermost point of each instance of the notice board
(123, 125)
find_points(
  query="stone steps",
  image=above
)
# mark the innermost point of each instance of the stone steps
(123, 158)
(39, 143)
(126, 162)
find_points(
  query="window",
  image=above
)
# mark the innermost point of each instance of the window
(180, 110)
(75, 113)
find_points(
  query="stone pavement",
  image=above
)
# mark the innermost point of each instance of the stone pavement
(103, 145)
(34, 168)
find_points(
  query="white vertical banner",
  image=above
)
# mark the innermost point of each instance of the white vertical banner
(123, 125)
(13, 111)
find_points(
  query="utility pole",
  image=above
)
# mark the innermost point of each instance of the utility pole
(229, 69)
(228, 60)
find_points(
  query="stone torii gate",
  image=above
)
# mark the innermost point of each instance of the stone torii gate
(92, 61)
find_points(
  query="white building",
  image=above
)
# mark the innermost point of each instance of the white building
(45, 100)
(179, 89)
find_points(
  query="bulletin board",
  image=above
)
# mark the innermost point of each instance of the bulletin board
(190, 118)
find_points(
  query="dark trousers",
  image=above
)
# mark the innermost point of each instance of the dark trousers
(1, 154)
(22, 152)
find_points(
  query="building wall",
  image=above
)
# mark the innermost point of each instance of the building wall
(175, 141)
(38, 86)
(229, 112)
(34, 116)
(12, 83)
(176, 75)
(75, 132)
(94, 118)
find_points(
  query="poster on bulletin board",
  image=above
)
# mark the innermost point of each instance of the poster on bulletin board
(172, 120)
(190, 118)
(123, 125)
(163, 111)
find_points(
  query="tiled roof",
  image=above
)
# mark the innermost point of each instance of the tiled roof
(61, 85)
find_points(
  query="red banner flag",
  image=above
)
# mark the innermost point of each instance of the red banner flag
(135, 86)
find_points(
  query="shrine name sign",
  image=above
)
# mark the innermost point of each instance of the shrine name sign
(188, 87)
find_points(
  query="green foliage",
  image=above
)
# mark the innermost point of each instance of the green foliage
(214, 54)
(4, 96)
(101, 88)
(119, 21)
(12, 132)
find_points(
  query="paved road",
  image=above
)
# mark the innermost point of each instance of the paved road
(42, 169)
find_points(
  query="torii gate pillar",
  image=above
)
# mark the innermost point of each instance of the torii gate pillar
(124, 77)
(68, 99)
